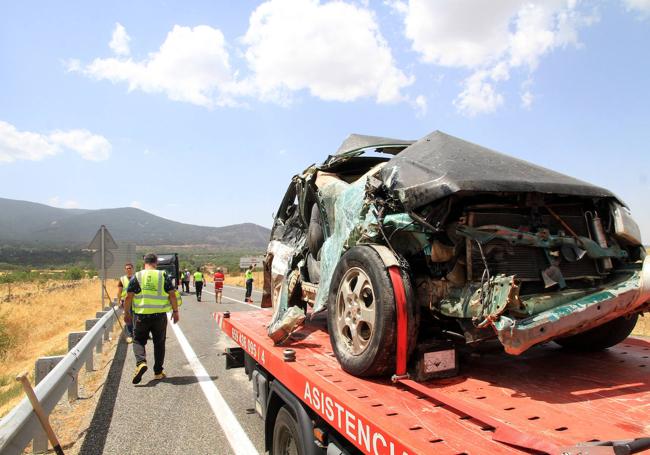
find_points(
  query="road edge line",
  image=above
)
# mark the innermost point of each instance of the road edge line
(237, 437)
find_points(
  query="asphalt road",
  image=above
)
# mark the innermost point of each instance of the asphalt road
(174, 416)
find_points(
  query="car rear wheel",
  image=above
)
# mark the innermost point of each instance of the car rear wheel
(286, 434)
(601, 337)
(361, 314)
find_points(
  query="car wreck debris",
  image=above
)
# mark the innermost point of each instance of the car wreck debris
(490, 247)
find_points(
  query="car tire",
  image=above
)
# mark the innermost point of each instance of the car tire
(361, 315)
(287, 438)
(601, 337)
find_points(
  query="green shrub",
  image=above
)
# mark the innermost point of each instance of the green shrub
(74, 273)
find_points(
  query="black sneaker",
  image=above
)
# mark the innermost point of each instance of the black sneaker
(140, 369)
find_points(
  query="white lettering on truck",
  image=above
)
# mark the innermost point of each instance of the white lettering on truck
(348, 423)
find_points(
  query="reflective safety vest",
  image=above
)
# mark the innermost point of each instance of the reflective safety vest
(249, 275)
(152, 297)
(198, 276)
(125, 284)
(179, 299)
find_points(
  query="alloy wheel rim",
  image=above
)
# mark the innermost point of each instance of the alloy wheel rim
(355, 310)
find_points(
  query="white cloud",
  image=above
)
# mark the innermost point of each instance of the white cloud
(490, 39)
(638, 6)
(421, 105)
(56, 201)
(478, 96)
(527, 96)
(334, 50)
(192, 65)
(90, 146)
(26, 145)
(135, 204)
(23, 145)
(458, 32)
(119, 43)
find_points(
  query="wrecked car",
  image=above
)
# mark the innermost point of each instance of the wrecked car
(489, 247)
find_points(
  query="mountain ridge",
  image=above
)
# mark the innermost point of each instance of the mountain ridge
(33, 223)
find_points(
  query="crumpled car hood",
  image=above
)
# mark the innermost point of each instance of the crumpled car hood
(439, 165)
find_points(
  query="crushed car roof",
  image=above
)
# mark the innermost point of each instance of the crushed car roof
(439, 165)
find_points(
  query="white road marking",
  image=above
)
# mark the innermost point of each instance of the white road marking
(234, 300)
(240, 288)
(237, 437)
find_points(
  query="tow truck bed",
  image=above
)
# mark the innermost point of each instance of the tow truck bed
(548, 395)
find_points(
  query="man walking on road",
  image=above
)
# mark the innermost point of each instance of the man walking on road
(249, 284)
(151, 293)
(218, 284)
(122, 285)
(186, 281)
(198, 283)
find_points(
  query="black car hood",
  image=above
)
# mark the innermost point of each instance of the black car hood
(439, 165)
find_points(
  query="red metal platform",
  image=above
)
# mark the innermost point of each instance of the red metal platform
(556, 397)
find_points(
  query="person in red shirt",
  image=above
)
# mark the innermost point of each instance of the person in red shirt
(218, 284)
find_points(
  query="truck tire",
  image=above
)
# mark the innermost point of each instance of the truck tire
(601, 337)
(361, 315)
(287, 439)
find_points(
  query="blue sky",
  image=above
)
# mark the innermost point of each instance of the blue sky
(202, 111)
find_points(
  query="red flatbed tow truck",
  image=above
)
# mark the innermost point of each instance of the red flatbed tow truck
(548, 400)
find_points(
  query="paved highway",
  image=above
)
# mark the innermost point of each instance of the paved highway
(200, 408)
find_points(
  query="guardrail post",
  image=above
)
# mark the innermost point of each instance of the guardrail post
(90, 323)
(73, 388)
(43, 366)
(107, 331)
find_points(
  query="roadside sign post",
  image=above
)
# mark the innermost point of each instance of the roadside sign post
(103, 233)
(103, 258)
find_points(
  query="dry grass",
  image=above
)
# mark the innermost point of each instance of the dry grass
(38, 319)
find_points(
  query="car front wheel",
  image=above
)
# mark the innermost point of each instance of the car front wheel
(361, 314)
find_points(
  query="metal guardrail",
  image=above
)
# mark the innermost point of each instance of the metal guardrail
(21, 425)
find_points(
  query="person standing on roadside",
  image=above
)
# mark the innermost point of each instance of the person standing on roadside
(186, 281)
(151, 294)
(198, 283)
(218, 284)
(249, 284)
(122, 285)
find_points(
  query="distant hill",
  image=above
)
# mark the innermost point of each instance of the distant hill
(29, 223)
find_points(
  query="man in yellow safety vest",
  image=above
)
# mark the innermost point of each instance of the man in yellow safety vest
(198, 283)
(151, 294)
(249, 284)
(122, 284)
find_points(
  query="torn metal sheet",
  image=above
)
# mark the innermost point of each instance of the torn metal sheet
(576, 316)
(355, 142)
(280, 330)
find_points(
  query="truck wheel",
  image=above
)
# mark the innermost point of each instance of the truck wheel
(286, 434)
(601, 337)
(361, 316)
